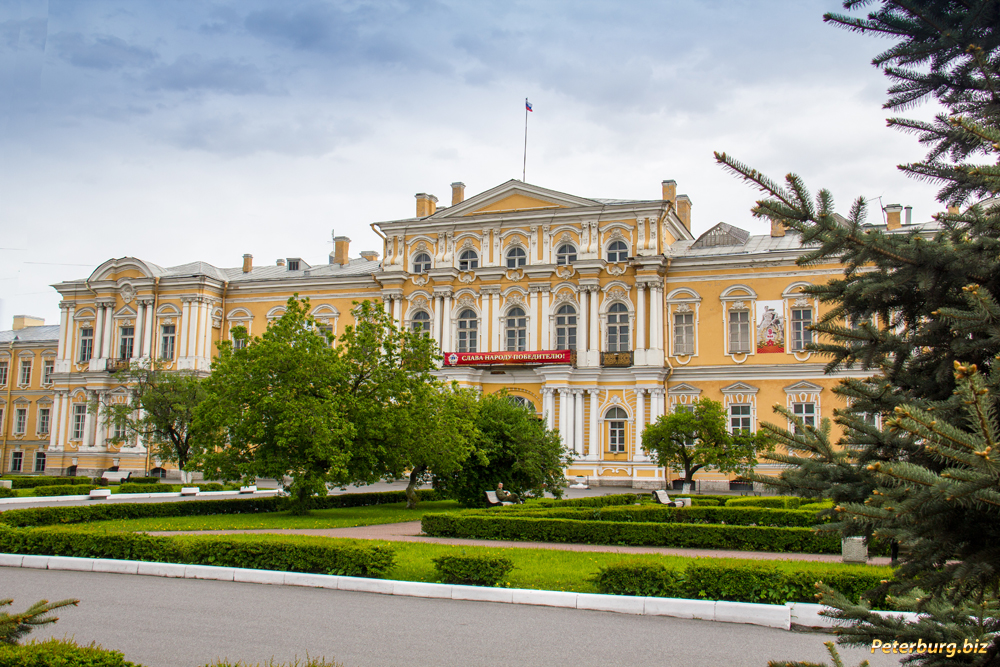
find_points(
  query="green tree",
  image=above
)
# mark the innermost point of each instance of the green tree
(13, 627)
(159, 408)
(698, 437)
(512, 446)
(919, 309)
(272, 409)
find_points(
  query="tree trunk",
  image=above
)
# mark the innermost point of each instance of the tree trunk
(186, 477)
(411, 488)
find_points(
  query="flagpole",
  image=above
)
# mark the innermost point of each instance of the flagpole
(524, 165)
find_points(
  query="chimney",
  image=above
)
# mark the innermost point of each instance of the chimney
(457, 193)
(426, 204)
(953, 210)
(280, 262)
(909, 215)
(892, 217)
(777, 228)
(340, 247)
(22, 321)
(369, 255)
(247, 263)
(669, 190)
(683, 207)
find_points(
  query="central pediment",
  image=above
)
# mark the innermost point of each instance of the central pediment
(511, 197)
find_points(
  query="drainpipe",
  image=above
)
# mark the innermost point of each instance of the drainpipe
(7, 407)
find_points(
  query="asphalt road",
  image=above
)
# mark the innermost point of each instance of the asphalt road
(161, 622)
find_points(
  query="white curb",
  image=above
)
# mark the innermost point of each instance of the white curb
(768, 615)
(120, 497)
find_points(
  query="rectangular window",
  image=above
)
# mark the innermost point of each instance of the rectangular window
(239, 343)
(616, 436)
(43, 419)
(739, 418)
(24, 379)
(3, 373)
(683, 333)
(126, 343)
(39, 461)
(168, 334)
(79, 420)
(739, 331)
(20, 421)
(16, 460)
(801, 320)
(48, 368)
(86, 344)
(806, 412)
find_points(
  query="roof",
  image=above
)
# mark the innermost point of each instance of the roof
(754, 244)
(354, 267)
(44, 333)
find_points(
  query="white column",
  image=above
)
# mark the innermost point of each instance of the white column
(100, 426)
(150, 350)
(98, 333)
(533, 321)
(578, 425)
(63, 330)
(656, 336)
(139, 335)
(564, 416)
(595, 332)
(594, 454)
(397, 311)
(446, 323)
(61, 425)
(581, 329)
(497, 329)
(57, 408)
(546, 342)
(640, 423)
(199, 330)
(185, 322)
(139, 442)
(547, 408)
(640, 325)
(438, 322)
(88, 428)
(109, 321)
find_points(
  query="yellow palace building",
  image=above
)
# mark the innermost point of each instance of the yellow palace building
(600, 314)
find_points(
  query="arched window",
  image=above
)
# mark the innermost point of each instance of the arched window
(468, 330)
(422, 263)
(522, 402)
(421, 321)
(566, 328)
(618, 252)
(468, 260)
(565, 254)
(616, 418)
(517, 330)
(516, 258)
(618, 328)
(158, 472)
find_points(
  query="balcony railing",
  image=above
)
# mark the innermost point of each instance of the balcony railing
(115, 365)
(616, 359)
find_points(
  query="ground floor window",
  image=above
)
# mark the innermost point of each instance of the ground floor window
(16, 461)
(158, 472)
(616, 419)
(806, 412)
(39, 461)
(739, 418)
(79, 419)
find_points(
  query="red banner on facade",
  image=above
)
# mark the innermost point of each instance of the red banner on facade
(516, 358)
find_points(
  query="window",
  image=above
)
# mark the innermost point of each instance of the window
(3, 373)
(16, 460)
(517, 330)
(616, 418)
(468, 334)
(522, 402)
(618, 252)
(421, 321)
(24, 379)
(326, 330)
(86, 344)
(683, 333)
(801, 320)
(739, 419)
(168, 334)
(422, 263)
(158, 472)
(739, 331)
(468, 260)
(79, 420)
(39, 461)
(48, 368)
(20, 421)
(566, 328)
(293, 265)
(44, 419)
(516, 258)
(127, 343)
(566, 254)
(239, 343)
(618, 328)
(118, 434)
(806, 412)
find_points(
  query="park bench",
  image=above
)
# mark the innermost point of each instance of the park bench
(248, 489)
(664, 499)
(189, 490)
(493, 501)
(100, 494)
(119, 477)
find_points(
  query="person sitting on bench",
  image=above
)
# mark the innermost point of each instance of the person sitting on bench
(506, 496)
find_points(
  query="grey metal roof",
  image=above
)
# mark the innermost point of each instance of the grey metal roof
(754, 244)
(354, 267)
(44, 333)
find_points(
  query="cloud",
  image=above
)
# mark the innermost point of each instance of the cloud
(105, 52)
(221, 75)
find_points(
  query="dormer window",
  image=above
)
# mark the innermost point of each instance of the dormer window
(293, 264)
(516, 258)
(617, 252)
(566, 254)
(422, 263)
(468, 261)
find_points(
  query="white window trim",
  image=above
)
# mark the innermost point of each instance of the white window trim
(741, 393)
(527, 326)
(554, 313)
(677, 301)
(804, 392)
(739, 298)
(458, 310)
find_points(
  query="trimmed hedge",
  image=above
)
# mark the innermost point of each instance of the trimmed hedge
(144, 480)
(32, 482)
(738, 583)
(591, 501)
(49, 516)
(7, 493)
(63, 490)
(732, 516)
(61, 652)
(221, 550)
(129, 487)
(743, 538)
(473, 570)
(782, 502)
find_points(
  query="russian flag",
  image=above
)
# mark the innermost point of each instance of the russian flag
(527, 104)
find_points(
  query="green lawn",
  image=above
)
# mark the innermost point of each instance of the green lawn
(341, 517)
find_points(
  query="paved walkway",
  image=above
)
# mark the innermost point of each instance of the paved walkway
(410, 532)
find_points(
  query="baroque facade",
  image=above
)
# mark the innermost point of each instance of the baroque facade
(600, 314)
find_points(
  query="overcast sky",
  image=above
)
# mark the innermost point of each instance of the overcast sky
(190, 130)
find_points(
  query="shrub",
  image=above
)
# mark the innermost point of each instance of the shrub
(61, 652)
(786, 502)
(222, 550)
(32, 482)
(732, 516)
(62, 490)
(705, 502)
(498, 526)
(814, 507)
(144, 480)
(473, 570)
(592, 501)
(129, 487)
(7, 493)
